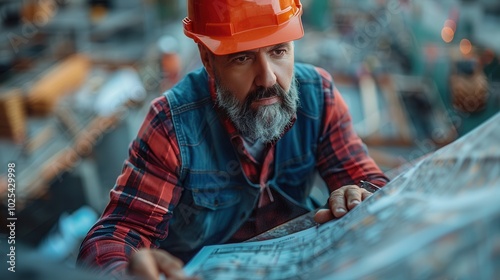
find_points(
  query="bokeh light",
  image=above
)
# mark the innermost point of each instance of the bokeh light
(447, 34)
(465, 46)
(451, 24)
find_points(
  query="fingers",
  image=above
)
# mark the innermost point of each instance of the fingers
(323, 216)
(353, 196)
(337, 202)
(365, 194)
(340, 202)
(142, 263)
(168, 264)
(149, 263)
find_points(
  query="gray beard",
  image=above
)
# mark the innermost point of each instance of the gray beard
(266, 123)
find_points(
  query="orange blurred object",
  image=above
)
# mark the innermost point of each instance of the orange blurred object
(171, 67)
(12, 116)
(170, 61)
(447, 34)
(451, 24)
(39, 12)
(62, 79)
(465, 46)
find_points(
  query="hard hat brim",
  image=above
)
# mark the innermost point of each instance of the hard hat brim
(252, 39)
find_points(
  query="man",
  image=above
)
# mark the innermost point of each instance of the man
(229, 151)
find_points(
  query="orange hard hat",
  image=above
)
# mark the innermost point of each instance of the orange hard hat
(229, 26)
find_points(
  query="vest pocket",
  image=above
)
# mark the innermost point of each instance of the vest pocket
(216, 198)
(204, 216)
(296, 178)
(297, 171)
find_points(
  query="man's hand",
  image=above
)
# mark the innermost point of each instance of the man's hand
(341, 201)
(150, 263)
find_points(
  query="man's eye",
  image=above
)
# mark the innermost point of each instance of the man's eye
(279, 52)
(241, 59)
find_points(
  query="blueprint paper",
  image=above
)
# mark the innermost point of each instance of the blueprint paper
(441, 219)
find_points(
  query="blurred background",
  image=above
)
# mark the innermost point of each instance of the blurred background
(77, 76)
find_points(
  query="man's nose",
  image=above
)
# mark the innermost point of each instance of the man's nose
(265, 76)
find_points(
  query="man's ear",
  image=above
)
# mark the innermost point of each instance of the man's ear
(207, 59)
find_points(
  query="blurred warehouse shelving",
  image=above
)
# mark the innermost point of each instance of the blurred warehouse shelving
(76, 78)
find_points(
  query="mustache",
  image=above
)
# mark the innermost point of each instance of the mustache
(261, 92)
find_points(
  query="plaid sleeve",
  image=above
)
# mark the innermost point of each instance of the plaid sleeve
(143, 198)
(344, 159)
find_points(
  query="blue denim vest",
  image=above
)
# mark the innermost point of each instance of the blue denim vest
(217, 196)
